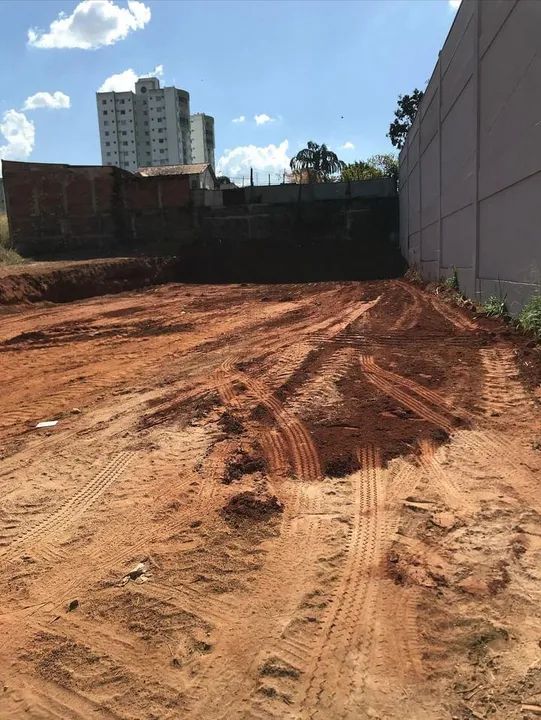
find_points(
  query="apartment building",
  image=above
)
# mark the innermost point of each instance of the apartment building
(147, 128)
(202, 131)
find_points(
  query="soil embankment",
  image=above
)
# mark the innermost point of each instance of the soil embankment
(65, 281)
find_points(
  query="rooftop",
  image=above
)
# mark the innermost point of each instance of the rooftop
(194, 169)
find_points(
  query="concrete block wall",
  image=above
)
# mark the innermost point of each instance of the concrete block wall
(470, 171)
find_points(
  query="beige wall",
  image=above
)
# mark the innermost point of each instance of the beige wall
(470, 172)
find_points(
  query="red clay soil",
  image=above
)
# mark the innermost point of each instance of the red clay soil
(306, 501)
(64, 281)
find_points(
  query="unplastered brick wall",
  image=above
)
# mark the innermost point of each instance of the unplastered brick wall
(91, 210)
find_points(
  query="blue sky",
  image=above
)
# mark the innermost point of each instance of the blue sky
(309, 70)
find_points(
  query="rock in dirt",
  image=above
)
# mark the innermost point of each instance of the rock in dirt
(137, 574)
(444, 520)
(249, 506)
(72, 605)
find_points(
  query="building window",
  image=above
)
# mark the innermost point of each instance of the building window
(122, 112)
(162, 150)
(107, 133)
(159, 119)
(123, 132)
(125, 143)
(104, 102)
(160, 141)
(122, 101)
(106, 122)
(107, 144)
(146, 133)
(106, 112)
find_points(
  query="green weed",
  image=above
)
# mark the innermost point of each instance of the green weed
(530, 316)
(496, 307)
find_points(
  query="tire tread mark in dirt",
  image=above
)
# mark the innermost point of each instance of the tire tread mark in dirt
(77, 504)
(303, 451)
(275, 450)
(247, 627)
(455, 317)
(428, 460)
(502, 390)
(406, 398)
(410, 314)
(351, 613)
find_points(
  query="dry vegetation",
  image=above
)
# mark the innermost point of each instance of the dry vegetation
(8, 256)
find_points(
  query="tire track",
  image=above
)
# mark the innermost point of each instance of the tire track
(302, 450)
(348, 629)
(502, 391)
(455, 317)
(412, 397)
(72, 509)
(230, 677)
(411, 314)
(429, 461)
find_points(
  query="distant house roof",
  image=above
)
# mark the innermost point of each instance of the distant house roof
(195, 169)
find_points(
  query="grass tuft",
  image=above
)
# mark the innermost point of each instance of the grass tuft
(530, 316)
(452, 282)
(496, 307)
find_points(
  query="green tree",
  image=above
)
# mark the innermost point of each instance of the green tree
(377, 166)
(316, 163)
(404, 117)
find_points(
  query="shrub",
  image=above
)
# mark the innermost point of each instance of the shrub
(530, 316)
(495, 307)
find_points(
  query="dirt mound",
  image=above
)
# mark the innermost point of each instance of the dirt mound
(64, 282)
(249, 506)
(230, 424)
(242, 463)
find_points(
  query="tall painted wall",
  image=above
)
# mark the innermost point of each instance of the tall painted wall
(470, 171)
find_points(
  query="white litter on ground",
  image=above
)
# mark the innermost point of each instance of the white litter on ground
(47, 423)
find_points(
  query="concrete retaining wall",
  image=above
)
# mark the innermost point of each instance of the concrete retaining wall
(470, 172)
(321, 240)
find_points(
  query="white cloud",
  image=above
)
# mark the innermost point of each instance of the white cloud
(93, 24)
(262, 119)
(54, 101)
(240, 119)
(238, 161)
(347, 146)
(125, 81)
(454, 4)
(19, 133)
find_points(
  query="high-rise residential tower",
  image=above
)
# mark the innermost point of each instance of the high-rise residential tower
(147, 128)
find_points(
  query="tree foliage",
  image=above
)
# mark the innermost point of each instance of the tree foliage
(404, 117)
(377, 166)
(315, 163)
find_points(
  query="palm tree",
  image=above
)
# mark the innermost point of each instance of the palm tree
(316, 163)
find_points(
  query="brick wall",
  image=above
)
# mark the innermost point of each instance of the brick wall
(92, 210)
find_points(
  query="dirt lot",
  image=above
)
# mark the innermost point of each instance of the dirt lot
(291, 502)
